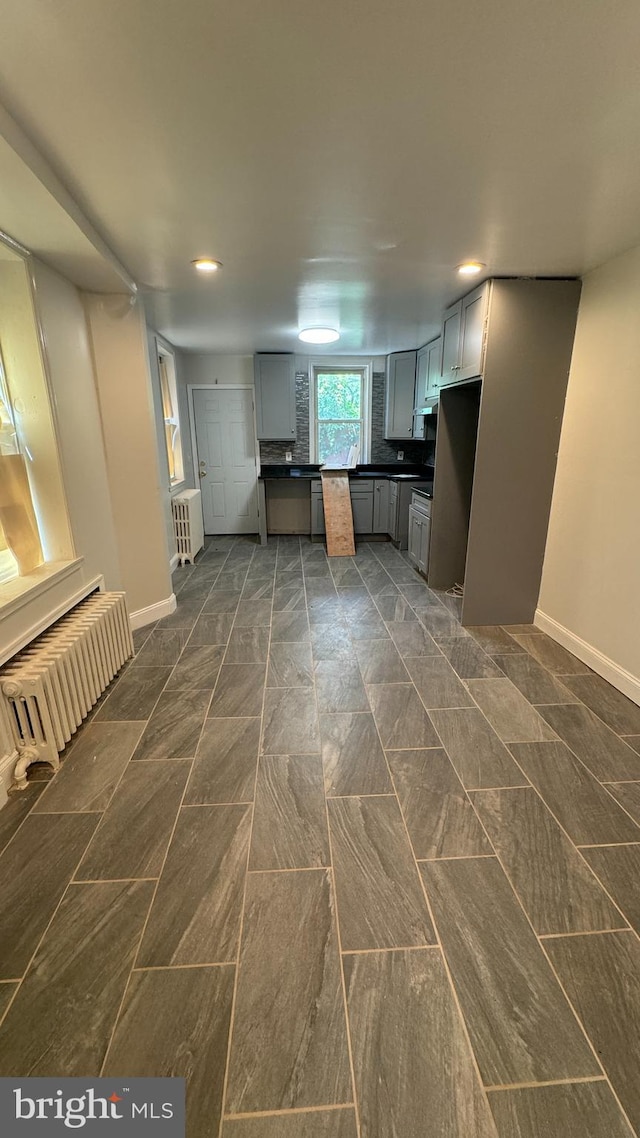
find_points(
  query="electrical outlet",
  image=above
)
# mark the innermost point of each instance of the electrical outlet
(288, 456)
(400, 455)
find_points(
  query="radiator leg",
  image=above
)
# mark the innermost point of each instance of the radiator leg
(28, 755)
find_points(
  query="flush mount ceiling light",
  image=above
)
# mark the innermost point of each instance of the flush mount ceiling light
(470, 268)
(206, 265)
(318, 335)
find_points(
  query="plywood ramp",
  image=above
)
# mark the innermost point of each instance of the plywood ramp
(338, 518)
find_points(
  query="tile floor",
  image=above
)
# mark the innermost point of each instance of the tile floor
(350, 868)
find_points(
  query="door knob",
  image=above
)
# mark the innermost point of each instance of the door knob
(202, 473)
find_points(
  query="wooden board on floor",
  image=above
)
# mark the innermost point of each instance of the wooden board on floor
(338, 518)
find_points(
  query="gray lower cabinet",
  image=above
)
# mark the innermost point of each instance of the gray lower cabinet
(394, 501)
(362, 495)
(419, 531)
(275, 380)
(317, 513)
(381, 505)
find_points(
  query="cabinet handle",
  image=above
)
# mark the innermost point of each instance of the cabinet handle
(455, 367)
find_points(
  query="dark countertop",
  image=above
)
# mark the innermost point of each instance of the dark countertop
(404, 471)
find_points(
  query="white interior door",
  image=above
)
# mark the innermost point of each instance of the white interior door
(226, 460)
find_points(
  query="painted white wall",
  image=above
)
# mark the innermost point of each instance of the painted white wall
(589, 597)
(79, 429)
(121, 361)
(209, 368)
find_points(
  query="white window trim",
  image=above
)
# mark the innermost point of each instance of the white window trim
(353, 363)
(162, 350)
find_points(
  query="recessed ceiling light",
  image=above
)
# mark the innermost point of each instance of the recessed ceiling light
(319, 335)
(470, 268)
(206, 265)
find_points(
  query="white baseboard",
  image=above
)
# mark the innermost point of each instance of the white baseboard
(624, 681)
(7, 765)
(153, 612)
(174, 562)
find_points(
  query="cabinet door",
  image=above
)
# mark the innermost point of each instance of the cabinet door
(420, 393)
(434, 354)
(450, 364)
(362, 508)
(317, 514)
(393, 511)
(401, 380)
(423, 563)
(275, 397)
(414, 548)
(472, 325)
(381, 506)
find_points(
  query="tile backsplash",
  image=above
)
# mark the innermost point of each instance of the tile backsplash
(381, 450)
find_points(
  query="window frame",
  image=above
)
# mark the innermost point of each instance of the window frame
(341, 364)
(168, 375)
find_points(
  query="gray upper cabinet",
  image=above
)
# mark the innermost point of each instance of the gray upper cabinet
(463, 336)
(275, 380)
(401, 382)
(427, 382)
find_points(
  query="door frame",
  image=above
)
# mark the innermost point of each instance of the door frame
(191, 387)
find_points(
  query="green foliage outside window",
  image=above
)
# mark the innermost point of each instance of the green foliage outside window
(338, 412)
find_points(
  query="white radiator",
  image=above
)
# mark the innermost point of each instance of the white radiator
(51, 686)
(188, 524)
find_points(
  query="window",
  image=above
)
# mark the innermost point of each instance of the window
(340, 413)
(13, 488)
(171, 415)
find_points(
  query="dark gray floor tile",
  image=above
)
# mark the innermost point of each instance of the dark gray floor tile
(163, 647)
(16, 810)
(522, 629)
(7, 992)
(582, 806)
(290, 666)
(451, 602)
(403, 574)
(182, 619)
(320, 589)
(367, 627)
(395, 609)
(212, 628)
(327, 610)
(437, 620)
(289, 628)
(437, 683)
(493, 639)
(418, 592)
(345, 575)
(134, 833)
(91, 771)
(290, 722)
(576, 1110)
(174, 1023)
(634, 742)
(558, 892)
(550, 654)
(357, 601)
(239, 691)
(380, 662)
(467, 658)
(248, 646)
(197, 668)
(478, 755)
(509, 713)
(258, 588)
(134, 696)
(312, 1124)
(62, 1017)
(288, 598)
(339, 686)
(413, 1066)
(627, 794)
(290, 819)
(331, 642)
(439, 816)
(225, 765)
(140, 635)
(287, 578)
(536, 683)
(250, 614)
(174, 728)
(289, 947)
(195, 916)
(618, 712)
(380, 901)
(352, 757)
(606, 755)
(410, 638)
(618, 868)
(601, 976)
(35, 869)
(231, 579)
(221, 600)
(400, 717)
(520, 1025)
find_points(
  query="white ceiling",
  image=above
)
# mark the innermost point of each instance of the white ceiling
(339, 157)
